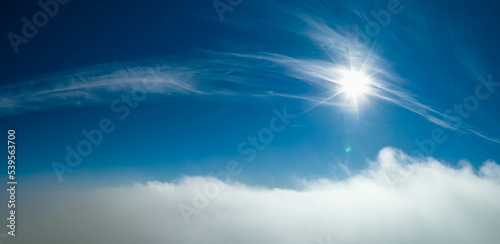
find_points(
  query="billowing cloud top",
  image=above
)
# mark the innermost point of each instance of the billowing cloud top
(398, 199)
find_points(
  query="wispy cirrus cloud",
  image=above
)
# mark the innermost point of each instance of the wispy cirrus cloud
(93, 85)
(313, 79)
(345, 54)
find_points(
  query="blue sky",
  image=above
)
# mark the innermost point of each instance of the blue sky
(182, 90)
(239, 70)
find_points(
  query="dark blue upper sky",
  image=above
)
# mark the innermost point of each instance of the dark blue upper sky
(231, 74)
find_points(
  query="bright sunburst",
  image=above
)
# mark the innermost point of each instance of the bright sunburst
(354, 83)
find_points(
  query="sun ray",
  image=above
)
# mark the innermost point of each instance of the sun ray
(321, 102)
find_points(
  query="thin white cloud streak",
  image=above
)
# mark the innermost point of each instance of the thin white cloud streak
(93, 85)
(338, 42)
(398, 199)
(346, 54)
(326, 75)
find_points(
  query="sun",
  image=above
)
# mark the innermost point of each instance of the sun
(354, 83)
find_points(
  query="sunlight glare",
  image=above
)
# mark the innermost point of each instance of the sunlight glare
(354, 83)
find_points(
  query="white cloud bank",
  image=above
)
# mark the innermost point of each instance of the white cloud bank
(397, 200)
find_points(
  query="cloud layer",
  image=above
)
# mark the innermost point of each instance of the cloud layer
(398, 199)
